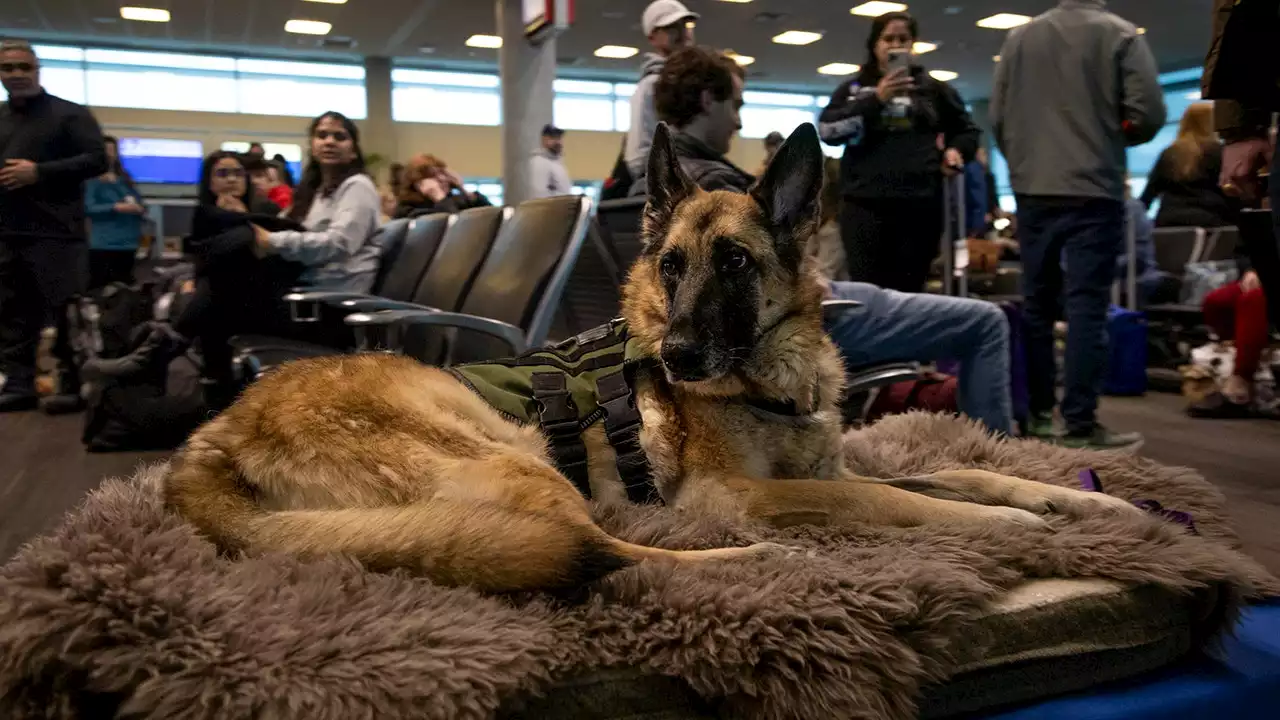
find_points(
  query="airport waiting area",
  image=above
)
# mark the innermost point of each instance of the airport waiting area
(652, 359)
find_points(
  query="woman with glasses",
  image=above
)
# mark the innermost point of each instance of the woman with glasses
(247, 259)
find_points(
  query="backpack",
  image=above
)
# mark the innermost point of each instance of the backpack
(618, 184)
(934, 393)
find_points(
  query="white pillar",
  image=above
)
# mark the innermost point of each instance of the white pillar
(526, 72)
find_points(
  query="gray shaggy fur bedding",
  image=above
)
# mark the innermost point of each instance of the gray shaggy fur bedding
(124, 611)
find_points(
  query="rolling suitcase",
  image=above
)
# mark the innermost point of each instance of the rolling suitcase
(1126, 329)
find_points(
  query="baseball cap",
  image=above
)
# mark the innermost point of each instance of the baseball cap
(550, 130)
(663, 13)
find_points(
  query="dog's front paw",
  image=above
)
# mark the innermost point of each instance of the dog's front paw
(770, 549)
(1077, 503)
(1002, 514)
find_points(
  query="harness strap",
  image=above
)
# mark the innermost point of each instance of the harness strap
(622, 427)
(559, 420)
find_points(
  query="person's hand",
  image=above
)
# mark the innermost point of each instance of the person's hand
(1249, 281)
(1241, 161)
(952, 162)
(231, 203)
(433, 189)
(897, 82)
(17, 173)
(261, 241)
(128, 208)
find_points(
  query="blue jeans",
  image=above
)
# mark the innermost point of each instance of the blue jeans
(896, 326)
(1090, 233)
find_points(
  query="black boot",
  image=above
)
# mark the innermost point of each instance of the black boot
(153, 355)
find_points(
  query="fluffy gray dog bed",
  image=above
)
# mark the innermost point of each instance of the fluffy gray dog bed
(124, 611)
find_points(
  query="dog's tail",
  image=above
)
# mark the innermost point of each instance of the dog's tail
(479, 544)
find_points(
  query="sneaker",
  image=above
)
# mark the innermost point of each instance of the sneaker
(1040, 425)
(1100, 438)
(1218, 406)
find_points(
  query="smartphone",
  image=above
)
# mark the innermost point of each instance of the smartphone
(898, 59)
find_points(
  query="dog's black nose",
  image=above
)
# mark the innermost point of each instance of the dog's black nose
(683, 359)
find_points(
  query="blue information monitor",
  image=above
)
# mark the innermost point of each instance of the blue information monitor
(161, 160)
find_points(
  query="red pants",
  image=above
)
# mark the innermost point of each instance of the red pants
(1242, 316)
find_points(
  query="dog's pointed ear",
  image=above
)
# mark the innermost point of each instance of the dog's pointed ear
(790, 190)
(667, 183)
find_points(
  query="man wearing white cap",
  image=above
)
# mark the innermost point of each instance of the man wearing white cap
(669, 26)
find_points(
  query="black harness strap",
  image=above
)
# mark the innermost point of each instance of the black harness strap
(622, 427)
(559, 420)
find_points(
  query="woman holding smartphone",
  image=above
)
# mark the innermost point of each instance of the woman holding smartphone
(902, 131)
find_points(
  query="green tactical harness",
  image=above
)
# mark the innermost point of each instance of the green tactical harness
(567, 388)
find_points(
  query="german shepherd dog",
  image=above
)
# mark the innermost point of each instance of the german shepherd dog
(401, 466)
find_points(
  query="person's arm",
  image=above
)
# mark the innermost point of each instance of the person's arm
(846, 116)
(96, 204)
(86, 157)
(958, 127)
(644, 118)
(355, 217)
(539, 177)
(1157, 180)
(1142, 102)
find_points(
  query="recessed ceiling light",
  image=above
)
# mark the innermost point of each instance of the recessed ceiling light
(921, 48)
(1142, 31)
(838, 69)
(743, 60)
(329, 2)
(876, 8)
(736, 1)
(615, 51)
(484, 41)
(142, 14)
(995, 58)
(308, 27)
(797, 37)
(1003, 21)
(943, 75)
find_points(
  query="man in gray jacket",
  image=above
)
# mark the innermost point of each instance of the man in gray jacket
(669, 26)
(1074, 88)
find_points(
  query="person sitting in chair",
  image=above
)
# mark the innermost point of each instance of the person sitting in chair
(700, 92)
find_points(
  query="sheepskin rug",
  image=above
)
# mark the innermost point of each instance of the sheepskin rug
(124, 611)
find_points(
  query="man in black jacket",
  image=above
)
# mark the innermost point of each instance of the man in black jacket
(699, 93)
(49, 147)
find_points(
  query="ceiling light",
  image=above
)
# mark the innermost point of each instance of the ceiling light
(943, 75)
(743, 60)
(877, 8)
(921, 48)
(995, 58)
(838, 69)
(329, 2)
(797, 37)
(142, 14)
(1142, 31)
(308, 27)
(736, 1)
(1003, 21)
(484, 41)
(615, 51)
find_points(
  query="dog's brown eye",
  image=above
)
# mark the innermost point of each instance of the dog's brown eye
(735, 261)
(669, 267)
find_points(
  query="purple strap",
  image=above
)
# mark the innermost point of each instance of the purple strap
(1090, 482)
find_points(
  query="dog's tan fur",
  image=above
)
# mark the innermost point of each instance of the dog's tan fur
(399, 465)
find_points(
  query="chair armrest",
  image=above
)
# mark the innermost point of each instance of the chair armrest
(833, 309)
(866, 378)
(303, 303)
(377, 304)
(394, 322)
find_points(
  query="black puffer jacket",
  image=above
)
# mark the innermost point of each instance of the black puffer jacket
(707, 168)
(887, 157)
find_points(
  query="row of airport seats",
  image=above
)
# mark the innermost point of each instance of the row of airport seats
(482, 284)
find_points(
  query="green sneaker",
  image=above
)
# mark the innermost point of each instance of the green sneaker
(1101, 438)
(1040, 425)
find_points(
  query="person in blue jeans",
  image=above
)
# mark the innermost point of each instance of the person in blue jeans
(896, 326)
(1073, 89)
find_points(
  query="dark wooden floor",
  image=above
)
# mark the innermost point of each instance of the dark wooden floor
(44, 470)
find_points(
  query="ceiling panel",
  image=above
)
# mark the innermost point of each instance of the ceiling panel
(432, 32)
